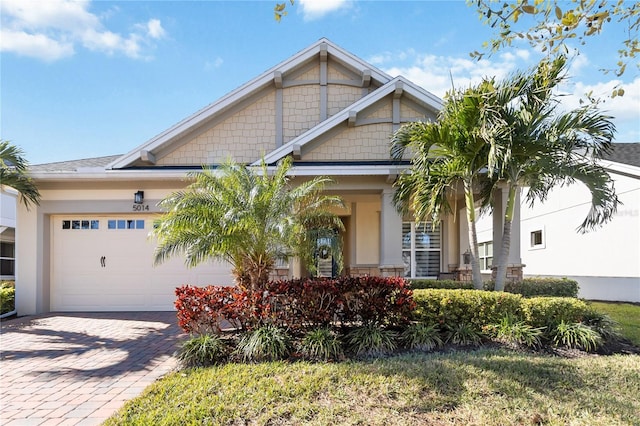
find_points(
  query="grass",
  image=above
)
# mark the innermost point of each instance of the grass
(483, 387)
(626, 315)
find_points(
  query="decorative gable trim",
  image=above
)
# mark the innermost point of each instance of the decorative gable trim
(397, 87)
(270, 78)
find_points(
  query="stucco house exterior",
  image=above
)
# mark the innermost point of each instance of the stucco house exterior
(86, 247)
(605, 262)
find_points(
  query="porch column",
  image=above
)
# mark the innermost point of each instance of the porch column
(391, 264)
(514, 261)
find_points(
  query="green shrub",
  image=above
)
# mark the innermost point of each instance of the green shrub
(576, 335)
(421, 337)
(442, 284)
(540, 286)
(474, 307)
(321, 344)
(463, 334)
(514, 331)
(550, 311)
(603, 324)
(202, 351)
(266, 343)
(7, 296)
(371, 340)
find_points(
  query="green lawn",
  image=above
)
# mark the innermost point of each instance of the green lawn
(626, 315)
(485, 387)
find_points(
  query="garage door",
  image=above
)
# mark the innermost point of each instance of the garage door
(105, 263)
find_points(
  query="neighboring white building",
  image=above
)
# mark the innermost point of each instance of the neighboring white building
(7, 234)
(606, 261)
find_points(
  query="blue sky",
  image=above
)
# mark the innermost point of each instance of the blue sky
(91, 78)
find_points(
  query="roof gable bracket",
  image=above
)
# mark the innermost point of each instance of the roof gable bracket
(147, 156)
(277, 79)
(353, 115)
(366, 78)
(297, 152)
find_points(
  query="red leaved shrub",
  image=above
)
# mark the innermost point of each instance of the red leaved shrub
(296, 304)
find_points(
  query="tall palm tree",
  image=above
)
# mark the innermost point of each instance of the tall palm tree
(248, 217)
(445, 155)
(13, 173)
(535, 145)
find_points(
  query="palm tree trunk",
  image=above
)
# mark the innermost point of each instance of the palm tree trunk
(473, 235)
(503, 260)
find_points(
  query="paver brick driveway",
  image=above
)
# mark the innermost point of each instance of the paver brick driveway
(70, 369)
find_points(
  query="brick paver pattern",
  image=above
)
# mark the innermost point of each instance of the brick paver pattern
(79, 369)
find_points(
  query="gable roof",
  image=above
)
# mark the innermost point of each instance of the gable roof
(74, 165)
(264, 80)
(398, 86)
(625, 153)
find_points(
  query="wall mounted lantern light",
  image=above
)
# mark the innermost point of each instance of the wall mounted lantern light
(466, 257)
(138, 197)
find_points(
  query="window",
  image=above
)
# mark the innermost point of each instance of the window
(420, 249)
(7, 258)
(537, 239)
(485, 255)
(81, 224)
(125, 224)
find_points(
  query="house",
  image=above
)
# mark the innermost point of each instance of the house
(86, 247)
(7, 233)
(606, 261)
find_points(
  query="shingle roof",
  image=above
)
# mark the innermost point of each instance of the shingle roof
(625, 153)
(74, 165)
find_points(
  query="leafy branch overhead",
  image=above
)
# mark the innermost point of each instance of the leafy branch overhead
(280, 10)
(549, 24)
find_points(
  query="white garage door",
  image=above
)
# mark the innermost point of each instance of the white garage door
(105, 263)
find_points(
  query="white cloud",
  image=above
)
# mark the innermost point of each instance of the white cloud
(435, 73)
(155, 29)
(50, 30)
(34, 45)
(315, 9)
(625, 110)
(216, 63)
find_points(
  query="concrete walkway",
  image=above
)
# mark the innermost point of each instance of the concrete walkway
(79, 369)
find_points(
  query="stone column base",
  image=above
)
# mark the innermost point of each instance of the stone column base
(464, 274)
(392, 270)
(279, 274)
(363, 271)
(515, 272)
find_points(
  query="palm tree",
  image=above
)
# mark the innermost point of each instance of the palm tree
(445, 155)
(13, 173)
(247, 217)
(535, 145)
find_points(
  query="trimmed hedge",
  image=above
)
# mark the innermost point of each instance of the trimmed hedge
(443, 284)
(474, 307)
(7, 297)
(482, 308)
(550, 311)
(297, 304)
(540, 286)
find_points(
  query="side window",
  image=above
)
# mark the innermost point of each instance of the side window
(537, 239)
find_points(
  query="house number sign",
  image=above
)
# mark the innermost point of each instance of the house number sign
(141, 207)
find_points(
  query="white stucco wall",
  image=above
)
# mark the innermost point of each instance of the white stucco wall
(605, 261)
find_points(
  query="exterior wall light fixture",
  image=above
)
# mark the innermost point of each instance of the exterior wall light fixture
(138, 197)
(466, 257)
